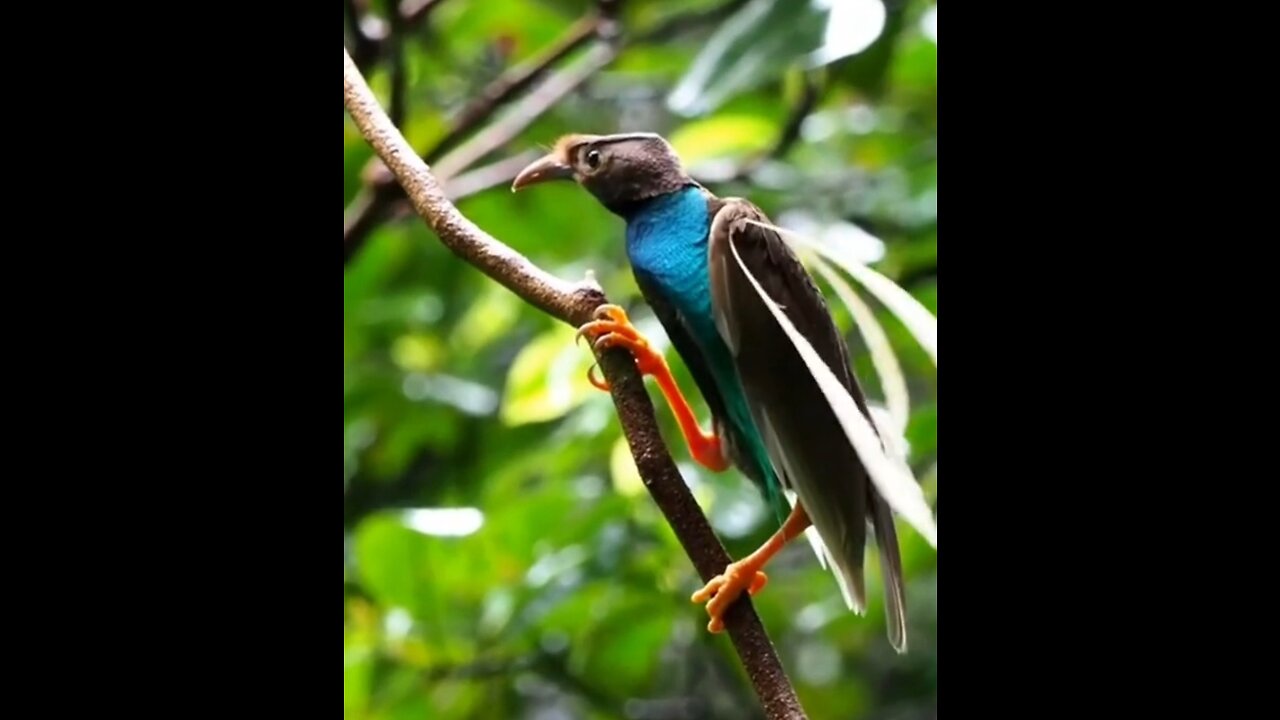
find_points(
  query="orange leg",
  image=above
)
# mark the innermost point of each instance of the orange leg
(747, 573)
(613, 329)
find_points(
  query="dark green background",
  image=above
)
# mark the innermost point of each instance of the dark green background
(572, 598)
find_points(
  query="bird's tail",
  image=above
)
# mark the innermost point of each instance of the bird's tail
(849, 573)
(895, 609)
(887, 535)
(850, 578)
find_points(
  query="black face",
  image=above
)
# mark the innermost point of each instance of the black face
(619, 170)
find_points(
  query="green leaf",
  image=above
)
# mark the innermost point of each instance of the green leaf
(848, 692)
(627, 649)
(622, 467)
(722, 135)
(435, 563)
(572, 597)
(391, 560)
(357, 677)
(765, 38)
(852, 26)
(915, 68)
(754, 46)
(548, 378)
(489, 318)
(922, 431)
(417, 352)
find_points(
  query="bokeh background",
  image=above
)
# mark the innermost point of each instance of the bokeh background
(501, 557)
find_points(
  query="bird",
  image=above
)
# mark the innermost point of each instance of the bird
(719, 278)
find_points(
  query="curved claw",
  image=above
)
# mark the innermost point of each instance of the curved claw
(591, 378)
(723, 589)
(582, 331)
(610, 328)
(611, 312)
(610, 322)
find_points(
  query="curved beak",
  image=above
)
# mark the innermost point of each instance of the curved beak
(542, 170)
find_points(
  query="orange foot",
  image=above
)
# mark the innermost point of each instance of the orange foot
(726, 587)
(612, 328)
(748, 573)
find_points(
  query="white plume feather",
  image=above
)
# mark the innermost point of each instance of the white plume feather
(916, 317)
(882, 356)
(892, 480)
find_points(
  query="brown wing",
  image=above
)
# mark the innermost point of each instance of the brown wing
(804, 438)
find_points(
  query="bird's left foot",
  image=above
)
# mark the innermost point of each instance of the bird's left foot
(612, 328)
(724, 588)
(748, 573)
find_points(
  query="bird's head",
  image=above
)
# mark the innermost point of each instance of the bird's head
(619, 170)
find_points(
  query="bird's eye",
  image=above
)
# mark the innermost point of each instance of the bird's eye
(593, 159)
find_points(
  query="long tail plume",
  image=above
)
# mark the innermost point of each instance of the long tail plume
(885, 361)
(921, 323)
(892, 480)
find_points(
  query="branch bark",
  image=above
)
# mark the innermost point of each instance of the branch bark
(501, 172)
(522, 115)
(381, 192)
(696, 21)
(366, 48)
(413, 11)
(790, 133)
(512, 83)
(574, 303)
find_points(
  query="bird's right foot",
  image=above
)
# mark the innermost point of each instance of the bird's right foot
(612, 328)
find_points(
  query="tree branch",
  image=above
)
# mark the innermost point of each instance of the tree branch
(382, 192)
(413, 11)
(399, 77)
(510, 84)
(674, 25)
(574, 303)
(810, 94)
(919, 274)
(501, 172)
(545, 97)
(366, 47)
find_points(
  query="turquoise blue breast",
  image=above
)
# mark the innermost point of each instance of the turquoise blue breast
(667, 242)
(667, 246)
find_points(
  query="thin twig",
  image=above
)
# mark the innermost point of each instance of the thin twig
(361, 218)
(399, 76)
(674, 25)
(366, 48)
(383, 198)
(369, 48)
(501, 172)
(809, 97)
(610, 11)
(414, 11)
(790, 133)
(919, 274)
(522, 115)
(510, 84)
(574, 303)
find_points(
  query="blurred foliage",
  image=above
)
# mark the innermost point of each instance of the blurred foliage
(502, 558)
